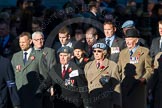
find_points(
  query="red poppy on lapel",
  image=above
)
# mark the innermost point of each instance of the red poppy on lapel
(18, 68)
(102, 67)
(86, 59)
(139, 53)
(70, 70)
(32, 58)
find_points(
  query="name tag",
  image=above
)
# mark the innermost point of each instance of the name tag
(134, 60)
(115, 50)
(74, 73)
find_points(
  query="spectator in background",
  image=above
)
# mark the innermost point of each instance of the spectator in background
(36, 25)
(8, 42)
(79, 34)
(91, 38)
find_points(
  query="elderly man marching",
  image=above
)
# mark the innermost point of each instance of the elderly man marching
(135, 66)
(68, 81)
(103, 79)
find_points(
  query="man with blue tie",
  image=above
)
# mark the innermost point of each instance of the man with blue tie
(114, 42)
(30, 69)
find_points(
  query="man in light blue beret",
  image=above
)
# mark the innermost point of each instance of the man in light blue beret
(100, 45)
(129, 24)
(98, 73)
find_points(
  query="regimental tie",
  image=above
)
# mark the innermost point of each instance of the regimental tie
(25, 57)
(63, 71)
(131, 52)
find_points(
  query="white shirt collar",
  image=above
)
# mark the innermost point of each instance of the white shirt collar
(28, 51)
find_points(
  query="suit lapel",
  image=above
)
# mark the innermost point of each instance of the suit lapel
(59, 70)
(69, 68)
(115, 42)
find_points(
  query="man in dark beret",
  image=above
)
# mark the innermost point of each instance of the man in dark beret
(69, 86)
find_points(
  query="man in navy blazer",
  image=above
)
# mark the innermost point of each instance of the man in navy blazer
(8, 89)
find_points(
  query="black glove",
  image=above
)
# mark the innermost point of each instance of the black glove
(104, 80)
(16, 107)
(39, 93)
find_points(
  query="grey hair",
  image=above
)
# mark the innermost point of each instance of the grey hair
(37, 32)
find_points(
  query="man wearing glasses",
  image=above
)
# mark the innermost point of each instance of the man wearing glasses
(103, 79)
(48, 53)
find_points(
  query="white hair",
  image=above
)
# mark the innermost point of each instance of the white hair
(37, 32)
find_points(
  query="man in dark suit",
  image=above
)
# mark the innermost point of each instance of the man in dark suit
(64, 36)
(156, 45)
(68, 81)
(114, 42)
(8, 89)
(91, 38)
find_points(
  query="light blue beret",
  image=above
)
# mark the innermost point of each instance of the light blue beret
(99, 45)
(128, 23)
(65, 49)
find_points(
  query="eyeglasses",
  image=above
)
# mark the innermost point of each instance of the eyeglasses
(41, 39)
(99, 51)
